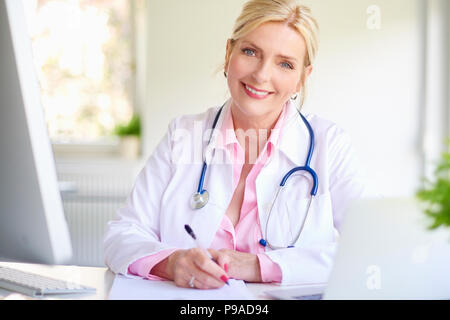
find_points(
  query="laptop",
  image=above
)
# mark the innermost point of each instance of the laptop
(386, 251)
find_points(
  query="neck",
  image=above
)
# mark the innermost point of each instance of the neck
(253, 132)
(263, 122)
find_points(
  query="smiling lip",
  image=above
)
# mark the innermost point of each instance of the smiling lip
(264, 94)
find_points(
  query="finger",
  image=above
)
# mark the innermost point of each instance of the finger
(187, 266)
(197, 284)
(184, 269)
(208, 269)
(222, 259)
(201, 279)
(188, 275)
(183, 277)
(213, 268)
(214, 254)
(204, 280)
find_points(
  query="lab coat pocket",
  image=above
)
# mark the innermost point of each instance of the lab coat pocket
(313, 226)
(287, 212)
(292, 223)
(287, 215)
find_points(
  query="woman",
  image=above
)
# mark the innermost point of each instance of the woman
(251, 231)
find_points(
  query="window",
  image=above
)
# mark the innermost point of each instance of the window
(83, 52)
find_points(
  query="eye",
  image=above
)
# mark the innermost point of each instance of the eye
(248, 52)
(287, 65)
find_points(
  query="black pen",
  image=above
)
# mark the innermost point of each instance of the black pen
(192, 234)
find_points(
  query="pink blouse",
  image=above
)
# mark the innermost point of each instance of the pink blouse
(247, 233)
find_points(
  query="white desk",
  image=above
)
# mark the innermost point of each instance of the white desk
(99, 278)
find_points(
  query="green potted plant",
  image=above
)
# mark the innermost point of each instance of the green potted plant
(436, 194)
(129, 135)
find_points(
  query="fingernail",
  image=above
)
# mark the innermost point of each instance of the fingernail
(224, 279)
(225, 267)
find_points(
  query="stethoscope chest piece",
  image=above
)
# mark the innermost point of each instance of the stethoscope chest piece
(199, 200)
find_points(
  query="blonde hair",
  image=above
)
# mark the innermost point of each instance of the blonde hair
(296, 16)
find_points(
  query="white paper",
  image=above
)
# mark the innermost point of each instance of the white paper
(125, 288)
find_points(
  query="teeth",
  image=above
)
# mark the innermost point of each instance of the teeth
(256, 92)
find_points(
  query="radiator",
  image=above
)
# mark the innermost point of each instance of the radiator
(91, 195)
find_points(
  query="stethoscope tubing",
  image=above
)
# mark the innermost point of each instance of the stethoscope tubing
(205, 166)
(304, 168)
(202, 178)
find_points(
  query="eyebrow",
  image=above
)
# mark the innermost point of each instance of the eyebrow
(279, 55)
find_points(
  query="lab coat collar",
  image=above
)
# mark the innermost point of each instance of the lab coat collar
(216, 141)
(295, 138)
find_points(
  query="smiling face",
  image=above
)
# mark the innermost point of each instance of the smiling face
(264, 70)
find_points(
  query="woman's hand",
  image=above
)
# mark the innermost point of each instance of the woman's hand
(182, 265)
(238, 265)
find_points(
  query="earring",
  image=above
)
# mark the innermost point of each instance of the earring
(225, 74)
(294, 97)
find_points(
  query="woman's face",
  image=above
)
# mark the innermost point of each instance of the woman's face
(265, 69)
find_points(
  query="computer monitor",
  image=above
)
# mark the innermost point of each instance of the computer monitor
(32, 222)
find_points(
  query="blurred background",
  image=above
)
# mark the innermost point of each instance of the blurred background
(113, 73)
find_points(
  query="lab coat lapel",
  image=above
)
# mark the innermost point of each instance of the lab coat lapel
(218, 182)
(294, 143)
(216, 137)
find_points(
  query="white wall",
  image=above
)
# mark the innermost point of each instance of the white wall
(368, 81)
(436, 107)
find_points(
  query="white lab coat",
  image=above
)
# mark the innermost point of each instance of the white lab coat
(158, 207)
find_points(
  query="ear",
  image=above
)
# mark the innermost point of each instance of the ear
(306, 72)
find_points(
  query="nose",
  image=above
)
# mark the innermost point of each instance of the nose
(262, 72)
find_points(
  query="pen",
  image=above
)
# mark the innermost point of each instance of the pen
(192, 234)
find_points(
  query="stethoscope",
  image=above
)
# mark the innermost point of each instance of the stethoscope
(201, 197)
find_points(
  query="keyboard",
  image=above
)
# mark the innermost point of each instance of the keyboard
(36, 285)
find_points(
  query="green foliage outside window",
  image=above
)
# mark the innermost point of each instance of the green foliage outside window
(437, 194)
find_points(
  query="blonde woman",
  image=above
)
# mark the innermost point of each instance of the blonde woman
(227, 190)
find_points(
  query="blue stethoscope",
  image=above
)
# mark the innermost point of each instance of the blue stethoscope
(201, 197)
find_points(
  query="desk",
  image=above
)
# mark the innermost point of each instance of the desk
(99, 278)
